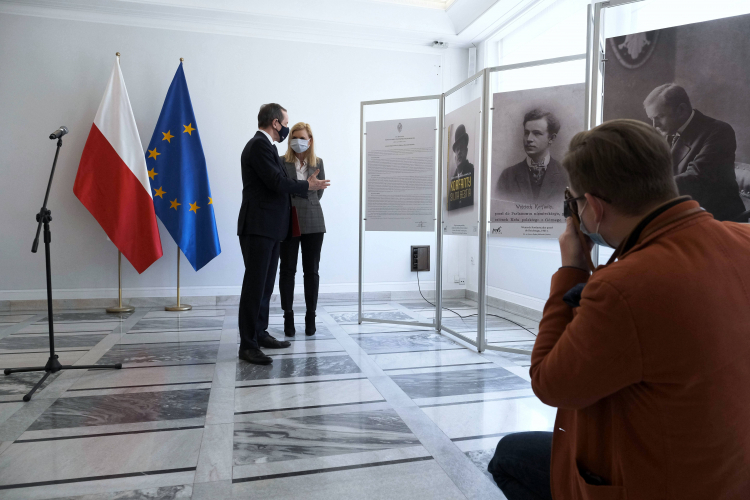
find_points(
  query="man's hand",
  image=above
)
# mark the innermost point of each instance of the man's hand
(315, 183)
(571, 251)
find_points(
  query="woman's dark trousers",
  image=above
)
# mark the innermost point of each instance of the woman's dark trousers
(311, 245)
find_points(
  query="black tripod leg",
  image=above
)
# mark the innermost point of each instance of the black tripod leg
(8, 371)
(27, 397)
(116, 366)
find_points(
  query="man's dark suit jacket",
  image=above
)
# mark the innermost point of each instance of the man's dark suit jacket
(514, 184)
(266, 207)
(703, 161)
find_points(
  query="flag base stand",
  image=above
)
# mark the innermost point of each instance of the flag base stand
(179, 306)
(53, 364)
(119, 308)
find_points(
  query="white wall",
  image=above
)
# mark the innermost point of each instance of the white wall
(54, 72)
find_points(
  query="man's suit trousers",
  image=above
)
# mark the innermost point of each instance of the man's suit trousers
(261, 256)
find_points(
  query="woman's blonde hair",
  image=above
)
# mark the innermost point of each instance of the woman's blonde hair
(289, 157)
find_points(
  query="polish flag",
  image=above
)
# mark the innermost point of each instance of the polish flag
(112, 180)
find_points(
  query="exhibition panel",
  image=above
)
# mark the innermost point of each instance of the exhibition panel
(399, 185)
(707, 59)
(463, 147)
(472, 192)
(463, 141)
(530, 134)
(536, 108)
(400, 175)
(691, 83)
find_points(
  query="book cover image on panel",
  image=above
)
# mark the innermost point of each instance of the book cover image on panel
(461, 180)
(462, 141)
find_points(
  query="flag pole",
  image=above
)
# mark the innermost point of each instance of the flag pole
(179, 306)
(120, 308)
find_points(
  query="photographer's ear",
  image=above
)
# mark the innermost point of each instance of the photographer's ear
(596, 206)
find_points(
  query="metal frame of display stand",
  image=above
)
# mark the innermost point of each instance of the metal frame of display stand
(596, 46)
(438, 242)
(481, 327)
(477, 342)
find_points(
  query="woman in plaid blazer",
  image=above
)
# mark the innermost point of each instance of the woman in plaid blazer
(300, 162)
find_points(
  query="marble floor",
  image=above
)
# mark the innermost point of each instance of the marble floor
(381, 411)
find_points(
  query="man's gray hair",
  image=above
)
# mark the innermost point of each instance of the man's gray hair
(673, 96)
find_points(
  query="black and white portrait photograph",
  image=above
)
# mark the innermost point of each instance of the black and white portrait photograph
(462, 169)
(531, 130)
(692, 84)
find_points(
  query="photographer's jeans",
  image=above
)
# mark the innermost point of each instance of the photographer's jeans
(521, 465)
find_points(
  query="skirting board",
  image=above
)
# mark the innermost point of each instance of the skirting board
(529, 307)
(212, 300)
(532, 307)
(428, 287)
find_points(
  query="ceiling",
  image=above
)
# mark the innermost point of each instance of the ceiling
(395, 24)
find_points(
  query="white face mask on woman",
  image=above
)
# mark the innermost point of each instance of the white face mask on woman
(299, 145)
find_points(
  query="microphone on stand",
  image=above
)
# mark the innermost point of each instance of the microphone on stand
(59, 132)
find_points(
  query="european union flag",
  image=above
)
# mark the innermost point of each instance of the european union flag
(179, 179)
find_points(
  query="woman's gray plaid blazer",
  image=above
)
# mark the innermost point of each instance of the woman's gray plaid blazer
(309, 211)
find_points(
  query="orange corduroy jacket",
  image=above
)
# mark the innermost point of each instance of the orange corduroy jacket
(651, 373)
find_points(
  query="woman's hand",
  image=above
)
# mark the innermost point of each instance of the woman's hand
(572, 252)
(317, 184)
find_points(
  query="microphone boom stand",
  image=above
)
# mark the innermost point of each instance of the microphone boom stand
(53, 365)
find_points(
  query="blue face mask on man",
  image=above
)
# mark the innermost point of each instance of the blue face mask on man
(283, 132)
(595, 236)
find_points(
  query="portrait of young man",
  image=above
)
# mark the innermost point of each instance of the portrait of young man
(538, 178)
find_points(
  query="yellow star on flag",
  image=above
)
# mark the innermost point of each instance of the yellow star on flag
(174, 204)
(168, 136)
(153, 154)
(194, 207)
(152, 174)
(210, 201)
(160, 193)
(189, 129)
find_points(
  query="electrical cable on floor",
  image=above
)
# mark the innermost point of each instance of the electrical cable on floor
(419, 285)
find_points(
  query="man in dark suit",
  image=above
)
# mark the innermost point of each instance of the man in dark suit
(538, 178)
(264, 221)
(703, 150)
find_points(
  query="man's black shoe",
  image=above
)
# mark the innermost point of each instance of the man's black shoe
(289, 330)
(271, 343)
(255, 356)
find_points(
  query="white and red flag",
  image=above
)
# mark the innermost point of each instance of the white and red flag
(113, 182)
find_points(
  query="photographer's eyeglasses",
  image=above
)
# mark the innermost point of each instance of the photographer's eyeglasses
(570, 205)
(570, 208)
